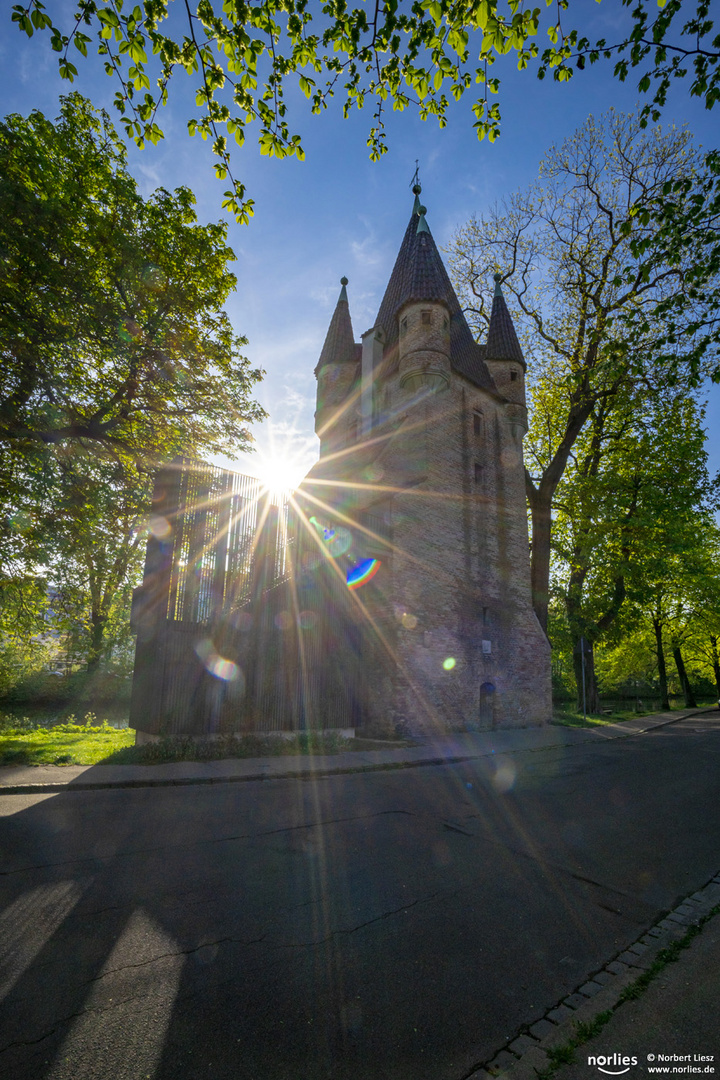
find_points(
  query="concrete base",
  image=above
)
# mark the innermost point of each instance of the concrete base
(142, 738)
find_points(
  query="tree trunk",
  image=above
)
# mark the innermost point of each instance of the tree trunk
(690, 702)
(540, 559)
(592, 697)
(715, 663)
(98, 623)
(662, 669)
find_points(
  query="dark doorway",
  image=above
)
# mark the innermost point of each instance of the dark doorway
(486, 715)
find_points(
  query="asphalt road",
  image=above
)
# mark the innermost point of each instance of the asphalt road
(396, 925)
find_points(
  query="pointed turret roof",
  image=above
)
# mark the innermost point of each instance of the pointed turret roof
(339, 347)
(502, 343)
(419, 274)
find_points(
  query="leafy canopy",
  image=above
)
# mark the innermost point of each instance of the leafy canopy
(111, 321)
(605, 303)
(423, 53)
(116, 355)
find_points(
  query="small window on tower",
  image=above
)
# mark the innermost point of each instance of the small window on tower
(426, 317)
(513, 376)
(403, 326)
(477, 423)
(445, 323)
(478, 472)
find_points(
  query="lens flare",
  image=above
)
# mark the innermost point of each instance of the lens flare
(241, 620)
(223, 669)
(217, 665)
(340, 542)
(159, 527)
(362, 573)
(450, 663)
(327, 533)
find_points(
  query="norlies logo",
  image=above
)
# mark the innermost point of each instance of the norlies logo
(612, 1064)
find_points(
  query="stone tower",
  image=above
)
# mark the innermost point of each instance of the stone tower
(421, 433)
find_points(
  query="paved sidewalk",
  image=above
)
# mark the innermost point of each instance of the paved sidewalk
(668, 1026)
(20, 779)
(675, 1018)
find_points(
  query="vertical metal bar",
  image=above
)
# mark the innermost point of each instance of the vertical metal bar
(199, 492)
(224, 495)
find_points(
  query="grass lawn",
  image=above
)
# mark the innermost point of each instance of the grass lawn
(21, 743)
(64, 744)
(91, 744)
(569, 718)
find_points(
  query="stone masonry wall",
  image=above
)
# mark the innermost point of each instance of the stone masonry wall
(460, 572)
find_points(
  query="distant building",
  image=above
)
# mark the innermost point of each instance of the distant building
(421, 433)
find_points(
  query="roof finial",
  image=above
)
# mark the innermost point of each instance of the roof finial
(422, 223)
(497, 278)
(343, 292)
(416, 188)
(415, 182)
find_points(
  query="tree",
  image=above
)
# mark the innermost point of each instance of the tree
(26, 638)
(679, 619)
(94, 543)
(695, 616)
(116, 357)
(575, 277)
(421, 54)
(634, 497)
(111, 323)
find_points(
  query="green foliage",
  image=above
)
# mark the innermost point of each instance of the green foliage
(177, 748)
(25, 639)
(116, 357)
(17, 725)
(610, 319)
(568, 718)
(93, 537)
(670, 47)
(64, 744)
(70, 743)
(422, 54)
(633, 540)
(111, 323)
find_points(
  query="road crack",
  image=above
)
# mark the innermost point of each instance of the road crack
(133, 852)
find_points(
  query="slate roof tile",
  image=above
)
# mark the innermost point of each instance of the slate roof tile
(419, 274)
(502, 343)
(339, 346)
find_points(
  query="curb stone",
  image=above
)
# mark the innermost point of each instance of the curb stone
(517, 1060)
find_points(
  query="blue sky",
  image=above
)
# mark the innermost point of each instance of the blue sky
(337, 213)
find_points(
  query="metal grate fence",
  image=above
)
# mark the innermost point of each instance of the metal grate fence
(220, 594)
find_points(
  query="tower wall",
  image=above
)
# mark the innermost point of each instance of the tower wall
(424, 347)
(450, 639)
(458, 586)
(336, 416)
